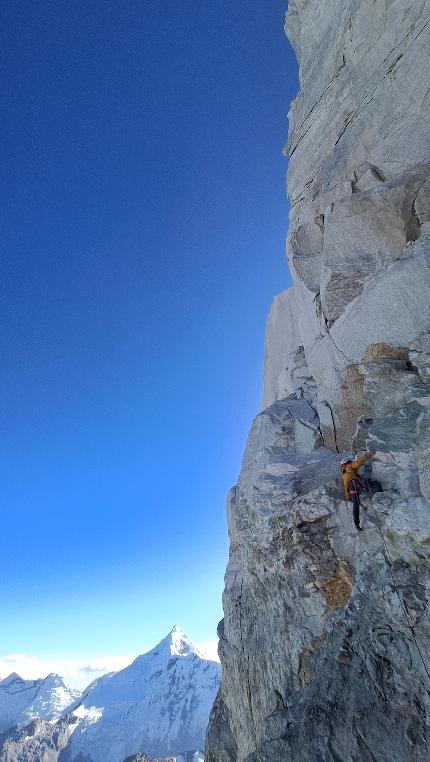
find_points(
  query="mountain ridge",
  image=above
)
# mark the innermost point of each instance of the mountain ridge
(22, 700)
(158, 705)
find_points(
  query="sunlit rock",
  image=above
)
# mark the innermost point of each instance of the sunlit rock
(326, 631)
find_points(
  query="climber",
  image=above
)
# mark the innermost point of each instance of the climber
(354, 484)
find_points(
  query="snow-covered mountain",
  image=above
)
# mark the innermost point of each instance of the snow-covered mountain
(22, 700)
(159, 705)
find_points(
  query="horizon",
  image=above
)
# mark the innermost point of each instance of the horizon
(144, 230)
(74, 672)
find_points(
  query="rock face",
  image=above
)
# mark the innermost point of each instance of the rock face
(39, 741)
(325, 643)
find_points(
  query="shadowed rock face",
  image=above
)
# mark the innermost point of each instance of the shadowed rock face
(39, 740)
(325, 640)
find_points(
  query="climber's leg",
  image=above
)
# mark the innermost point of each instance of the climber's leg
(355, 508)
(374, 486)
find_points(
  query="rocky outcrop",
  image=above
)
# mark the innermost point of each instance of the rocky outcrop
(42, 741)
(325, 640)
(39, 740)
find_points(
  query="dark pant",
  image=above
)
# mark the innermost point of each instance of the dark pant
(355, 497)
(356, 487)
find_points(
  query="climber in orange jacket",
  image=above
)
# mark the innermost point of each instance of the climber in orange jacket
(354, 484)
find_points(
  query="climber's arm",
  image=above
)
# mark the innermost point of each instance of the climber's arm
(359, 462)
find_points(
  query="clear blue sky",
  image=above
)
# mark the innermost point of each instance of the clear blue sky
(143, 224)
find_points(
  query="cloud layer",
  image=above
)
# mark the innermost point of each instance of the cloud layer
(78, 673)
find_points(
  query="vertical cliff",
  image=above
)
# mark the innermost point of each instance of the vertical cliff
(325, 643)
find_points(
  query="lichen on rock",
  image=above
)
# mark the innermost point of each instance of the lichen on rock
(325, 641)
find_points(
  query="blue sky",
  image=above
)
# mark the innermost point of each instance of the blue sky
(144, 217)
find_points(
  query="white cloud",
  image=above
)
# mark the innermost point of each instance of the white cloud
(209, 649)
(78, 673)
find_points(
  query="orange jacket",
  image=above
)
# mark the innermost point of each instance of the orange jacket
(349, 471)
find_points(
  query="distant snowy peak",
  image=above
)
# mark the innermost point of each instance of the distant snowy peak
(22, 700)
(159, 705)
(10, 680)
(180, 644)
(176, 643)
(151, 711)
(53, 699)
